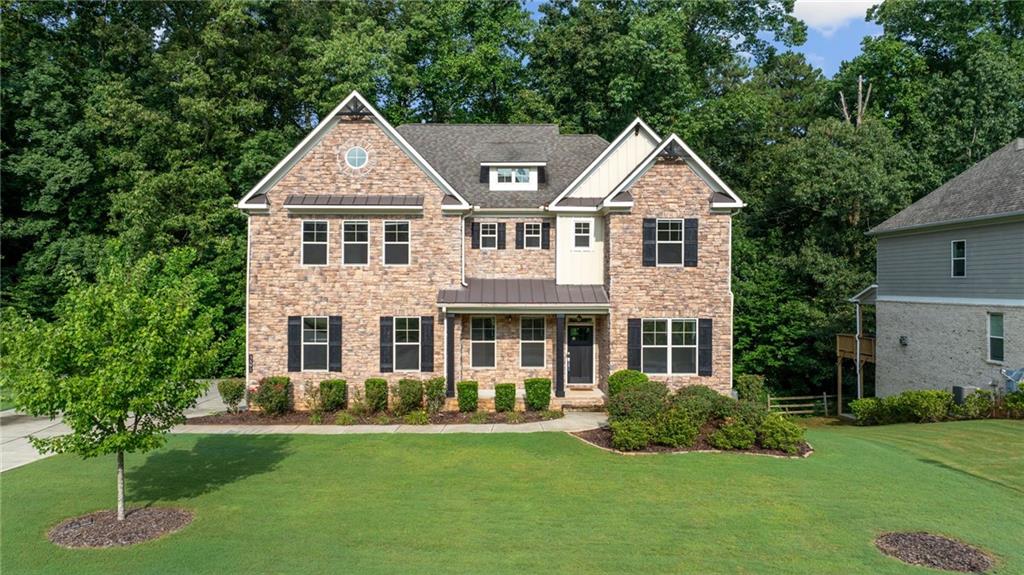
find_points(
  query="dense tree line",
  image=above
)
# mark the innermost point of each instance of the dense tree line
(131, 128)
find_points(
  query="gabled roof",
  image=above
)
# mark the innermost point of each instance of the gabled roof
(355, 106)
(994, 187)
(458, 150)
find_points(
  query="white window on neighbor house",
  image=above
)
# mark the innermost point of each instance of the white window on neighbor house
(582, 234)
(396, 243)
(669, 346)
(314, 243)
(488, 236)
(531, 342)
(670, 242)
(531, 236)
(958, 256)
(482, 342)
(314, 344)
(355, 243)
(407, 344)
(995, 337)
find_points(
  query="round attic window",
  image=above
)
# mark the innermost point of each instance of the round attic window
(355, 157)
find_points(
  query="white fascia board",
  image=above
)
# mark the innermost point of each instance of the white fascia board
(860, 294)
(634, 125)
(300, 150)
(254, 207)
(352, 209)
(513, 164)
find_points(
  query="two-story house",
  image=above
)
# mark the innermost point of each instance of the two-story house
(491, 253)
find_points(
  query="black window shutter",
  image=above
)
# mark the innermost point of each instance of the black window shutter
(633, 338)
(704, 334)
(427, 343)
(475, 230)
(650, 242)
(542, 175)
(485, 174)
(545, 235)
(690, 242)
(387, 351)
(334, 343)
(501, 236)
(294, 343)
(520, 230)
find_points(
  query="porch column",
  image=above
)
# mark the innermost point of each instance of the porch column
(449, 352)
(560, 355)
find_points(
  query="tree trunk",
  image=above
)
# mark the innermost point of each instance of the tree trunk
(120, 486)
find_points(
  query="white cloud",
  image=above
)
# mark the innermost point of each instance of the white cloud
(827, 16)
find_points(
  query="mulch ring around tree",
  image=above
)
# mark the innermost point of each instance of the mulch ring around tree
(934, 551)
(602, 437)
(102, 529)
(302, 418)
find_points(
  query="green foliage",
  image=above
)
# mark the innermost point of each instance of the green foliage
(1014, 403)
(478, 417)
(382, 419)
(919, 406)
(232, 391)
(703, 403)
(344, 418)
(549, 414)
(733, 434)
(631, 434)
(977, 405)
(434, 390)
(313, 398)
(273, 395)
(419, 417)
(467, 392)
(641, 401)
(376, 391)
(514, 417)
(869, 411)
(624, 378)
(538, 393)
(749, 412)
(408, 395)
(676, 427)
(334, 394)
(751, 387)
(779, 432)
(504, 397)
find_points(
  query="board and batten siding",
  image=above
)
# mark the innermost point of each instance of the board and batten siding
(575, 266)
(919, 264)
(619, 163)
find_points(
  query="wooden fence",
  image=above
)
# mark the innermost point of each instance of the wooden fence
(823, 404)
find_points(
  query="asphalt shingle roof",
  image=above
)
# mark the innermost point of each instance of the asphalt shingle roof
(457, 150)
(992, 187)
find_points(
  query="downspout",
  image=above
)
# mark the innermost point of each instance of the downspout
(248, 256)
(860, 391)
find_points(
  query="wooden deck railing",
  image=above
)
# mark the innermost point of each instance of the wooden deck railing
(846, 347)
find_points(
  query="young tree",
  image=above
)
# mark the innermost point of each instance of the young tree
(120, 361)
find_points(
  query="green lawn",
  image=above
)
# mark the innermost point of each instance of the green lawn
(532, 503)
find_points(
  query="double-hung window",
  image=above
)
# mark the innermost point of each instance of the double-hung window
(581, 235)
(314, 243)
(489, 236)
(531, 342)
(958, 257)
(531, 236)
(504, 175)
(670, 242)
(669, 346)
(513, 175)
(314, 344)
(995, 337)
(355, 239)
(396, 243)
(407, 344)
(482, 342)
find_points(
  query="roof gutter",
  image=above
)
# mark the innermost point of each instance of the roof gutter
(946, 223)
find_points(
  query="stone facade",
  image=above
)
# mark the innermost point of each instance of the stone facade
(510, 262)
(507, 369)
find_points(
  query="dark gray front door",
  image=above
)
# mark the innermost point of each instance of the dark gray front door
(581, 353)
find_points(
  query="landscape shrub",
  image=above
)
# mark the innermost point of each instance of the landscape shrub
(704, 403)
(640, 401)
(977, 405)
(478, 418)
(631, 434)
(514, 417)
(382, 419)
(231, 391)
(869, 411)
(624, 378)
(313, 400)
(675, 427)
(344, 418)
(418, 417)
(920, 406)
(749, 412)
(376, 390)
(751, 387)
(1014, 403)
(273, 395)
(538, 393)
(733, 434)
(408, 396)
(504, 397)
(334, 394)
(434, 389)
(778, 432)
(549, 414)
(468, 395)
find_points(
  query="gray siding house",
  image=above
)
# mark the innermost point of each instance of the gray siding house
(949, 298)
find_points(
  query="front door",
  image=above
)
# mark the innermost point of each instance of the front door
(581, 353)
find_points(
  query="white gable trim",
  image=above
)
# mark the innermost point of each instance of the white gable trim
(636, 124)
(299, 151)
(696, 164)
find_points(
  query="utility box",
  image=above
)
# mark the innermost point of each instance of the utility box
(960, 392)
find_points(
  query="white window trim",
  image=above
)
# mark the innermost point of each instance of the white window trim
(543, 341)
(539, 235)
(326, 344)
(513, 186)
(668, 345)
(395, 343)
(366, 157)
(590, 235)
(303, 242)
(384, 243)
(494, 342)
(367, 242)
(495, 235)
(989, 337)
(682, 242)
(953, 259)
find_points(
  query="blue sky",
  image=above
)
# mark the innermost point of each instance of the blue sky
(835, 29)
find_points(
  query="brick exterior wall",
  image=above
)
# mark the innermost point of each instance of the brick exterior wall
(507, 368)
(510, 262)
(671, 190)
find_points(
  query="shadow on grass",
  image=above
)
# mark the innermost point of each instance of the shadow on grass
(970, 474)
(213, 462)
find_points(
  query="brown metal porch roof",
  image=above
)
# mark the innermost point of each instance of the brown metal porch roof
(523, 292)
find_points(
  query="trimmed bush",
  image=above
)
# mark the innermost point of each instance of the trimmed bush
(434, 389)
(344, 418)
(334, 394)
(749, 413)
(505, 397)
(623, 379)
(869, 411)
(408, 396)
(641, 401)
(751, 387)
(631, 434)
(538, 393)
(314, 402)
(778, 432)
(273, 395)
(675, 428)
(703, 403)
(977, 405)
(920, 406)
(468, 394)
(376, 395)
(1014, 403)
(231, 390)
(734, 434)
(418, 417)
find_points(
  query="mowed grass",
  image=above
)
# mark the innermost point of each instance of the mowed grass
(531, 503)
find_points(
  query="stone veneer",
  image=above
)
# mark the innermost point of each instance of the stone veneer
(510, 262)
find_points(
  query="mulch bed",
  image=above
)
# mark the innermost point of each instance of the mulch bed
(102, 529)
(602, 437)
(933, 551)
(302, 418)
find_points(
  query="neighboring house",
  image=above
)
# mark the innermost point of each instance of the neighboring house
(949, 298)
(491, 253)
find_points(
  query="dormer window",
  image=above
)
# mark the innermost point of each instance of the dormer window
(513, 175)
(509, 176)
